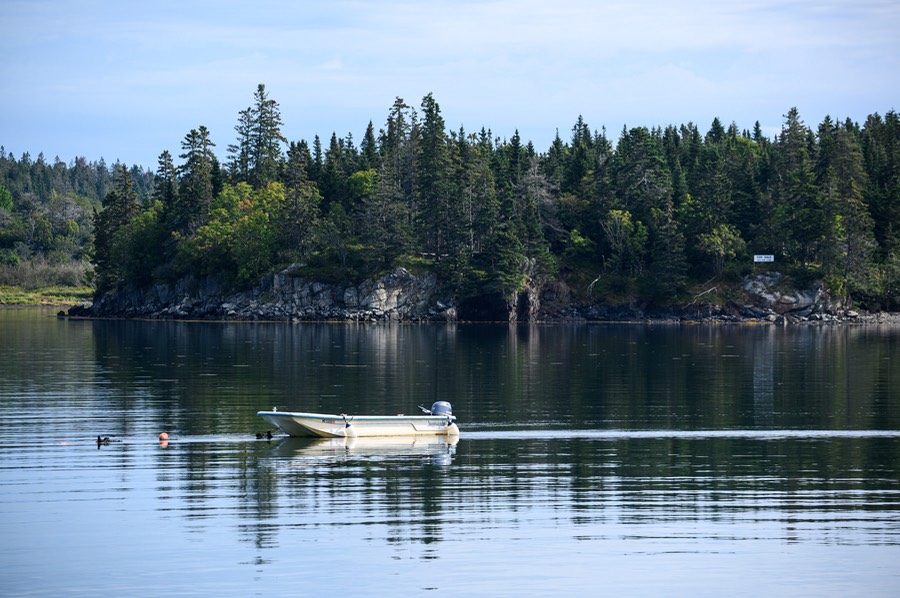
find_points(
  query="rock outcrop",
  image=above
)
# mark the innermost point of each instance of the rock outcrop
(400, 296)
(407, 297)
(766, 297)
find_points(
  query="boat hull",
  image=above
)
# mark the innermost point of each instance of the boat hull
(324, 425)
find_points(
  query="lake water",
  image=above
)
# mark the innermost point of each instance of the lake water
(604, 459)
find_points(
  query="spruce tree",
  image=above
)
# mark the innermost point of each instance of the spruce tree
(265, 139)
(435, 220)
(196, 183)
(799, 218)
(241, 151)
(119, 207)
(368, 149)
(165, 183)
(848, 233)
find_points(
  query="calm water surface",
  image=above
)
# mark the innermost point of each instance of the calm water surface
(635, 460)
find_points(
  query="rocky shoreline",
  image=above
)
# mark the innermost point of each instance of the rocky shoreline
(399, 296)
(402, 296)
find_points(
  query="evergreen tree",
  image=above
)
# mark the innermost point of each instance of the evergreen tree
(368, 148)
(848, 233)
(298, 221)
(709, 205)
(299, 217)
(196, 184)
(318, 160)
(757, 133)
(333, 177)
(399, 148)
(242, 151)
(553, 163)
(265, 139)
(667, 274)
(641, 181)
(672, 143)
(799, 218)
(6, 201)
(479, 190)
(165, 183)
(436, 216)
(880, 140)
(642, 185)
(381, 196)
(716, 132)
(742, 159)
(689, 149)
(119, 208)
(296, 167)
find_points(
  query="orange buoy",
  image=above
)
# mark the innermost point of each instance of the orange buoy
(163, 436)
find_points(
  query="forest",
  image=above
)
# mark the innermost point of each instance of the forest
(652, 215)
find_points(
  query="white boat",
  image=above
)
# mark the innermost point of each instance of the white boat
(437, 421)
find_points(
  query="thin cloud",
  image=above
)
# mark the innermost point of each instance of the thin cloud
(531, 65)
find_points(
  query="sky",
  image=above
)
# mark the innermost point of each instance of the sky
(124, 81)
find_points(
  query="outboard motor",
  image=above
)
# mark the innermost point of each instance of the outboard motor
(441, 408)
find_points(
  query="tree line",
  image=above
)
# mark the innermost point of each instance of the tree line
(647, 216)
(46, 216)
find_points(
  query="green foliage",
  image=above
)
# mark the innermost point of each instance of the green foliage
(6, 200)
(627, 241)
(239, 241)
(578, 245)
(297, 222)
(119, 208)
(890, 276)
(722, 244)
(666, 275)
(257, 155)
(664, 209)
(196, 187)
(136, 246)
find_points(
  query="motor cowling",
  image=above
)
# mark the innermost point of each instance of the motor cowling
(441, 408)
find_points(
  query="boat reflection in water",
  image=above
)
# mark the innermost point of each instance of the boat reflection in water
(439, 450)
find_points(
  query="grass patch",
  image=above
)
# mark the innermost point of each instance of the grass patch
(55, 295)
